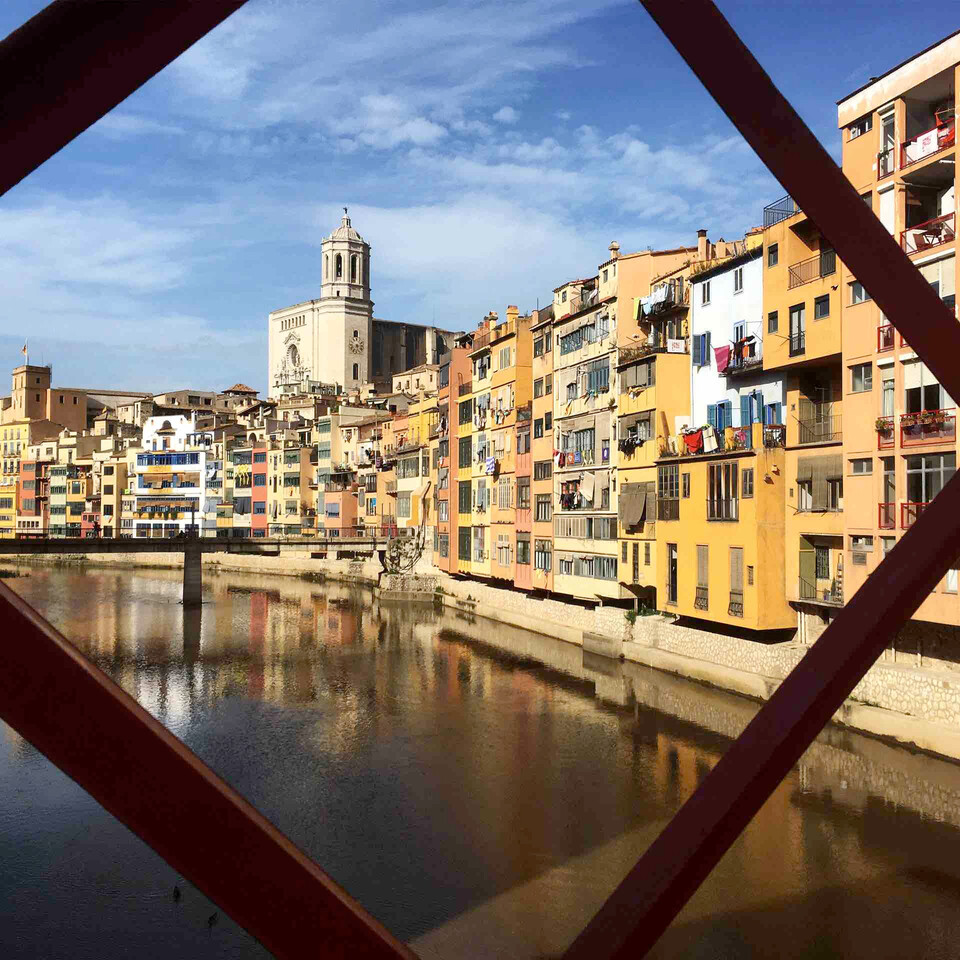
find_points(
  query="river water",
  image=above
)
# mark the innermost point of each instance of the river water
(479, 789)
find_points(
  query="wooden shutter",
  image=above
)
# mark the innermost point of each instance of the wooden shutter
(745, 415)
(736, 569)
(712, 415)
(697, 351)
(703, 567)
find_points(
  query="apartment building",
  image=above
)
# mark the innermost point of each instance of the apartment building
(583, 426)
(9, 507)
(721, 483)
(465, 456)
(542, 450)
(899, 448)
(483, 463)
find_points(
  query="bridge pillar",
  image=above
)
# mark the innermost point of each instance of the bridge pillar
(192, 575)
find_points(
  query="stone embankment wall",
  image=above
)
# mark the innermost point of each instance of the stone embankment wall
(920, 705)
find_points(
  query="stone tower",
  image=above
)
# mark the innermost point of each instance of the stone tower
(328, 339)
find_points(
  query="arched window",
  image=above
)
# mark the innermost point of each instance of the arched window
(354, 268)
(356, 371)
(339, 266)
(356, 334)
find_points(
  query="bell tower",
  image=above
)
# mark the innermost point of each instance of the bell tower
(345, 263)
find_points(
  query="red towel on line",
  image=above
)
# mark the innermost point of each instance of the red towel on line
(723, 358)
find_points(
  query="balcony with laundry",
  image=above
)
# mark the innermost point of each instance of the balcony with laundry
(584, 387)
(929, 217)
(929, 136)
(739, 357)
(752, 425)
(584, 443)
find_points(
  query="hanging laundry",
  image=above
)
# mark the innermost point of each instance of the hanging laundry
(491, 465)
(693, 441)
(709, 440)
(723, 358)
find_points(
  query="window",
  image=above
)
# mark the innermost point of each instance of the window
(543, 555)
(259, 479)
(465, 452)
(861, 466)
(821, 307)
(804, 495)
(773, 255)
(466, 411)
(859, 127)
(701, 602)
(861, 544)
(543, 470)
(700, 344)
(798, 329)
(523, 493)
(927, 474)
(503, 551)
(735, 608)
(746, 482)
(640, 375)
(538, 347)
(887, 544)
(262, 457)
(538, 428)
(548, 421)
(822, 562)
(704, 295)
(523, 550)
(672, 573)
(544, 507)
(722, 502)
(738, 280)
(538, 388)
(861, 375)
(523, 441)
(443, 510)
(636, 561)
(563, 296)
(504, 493)
(548, 385)
(668, 492)
(835, 493)
(685, 486)
(463, 496)
(857, 293)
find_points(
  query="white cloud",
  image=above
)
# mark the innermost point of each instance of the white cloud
(563, 115)
(120, 126)
(506, 115)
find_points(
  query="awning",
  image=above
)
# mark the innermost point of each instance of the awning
(633, 504)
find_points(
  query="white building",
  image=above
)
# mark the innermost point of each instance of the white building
(728, 384)
(169, 477)
(336, 339)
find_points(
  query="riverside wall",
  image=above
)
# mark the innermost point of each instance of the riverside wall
(911, 703)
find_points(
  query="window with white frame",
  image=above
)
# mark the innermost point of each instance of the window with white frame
(738, 280)
(705, 292)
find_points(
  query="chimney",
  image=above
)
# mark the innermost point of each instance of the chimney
(703, 245)
(512, 312)
(614, 249)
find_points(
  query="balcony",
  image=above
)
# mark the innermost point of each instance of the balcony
(885, 337)
(739, 366)
(824, 264)
(701, 600)
(909, 511)
(821, 592)
(930, 233)
(735, 607)
(884, 427)
(723, 508)
(928, 144)
(668, 509)
(928, 426)
(886, 516)
(798, 343)
(824, 429)
(886, 162)
(775, 435)
(525, 411)
(779, 210)
(481, 340)
(464, 388)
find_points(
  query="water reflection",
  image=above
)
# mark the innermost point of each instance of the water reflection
(479, 789)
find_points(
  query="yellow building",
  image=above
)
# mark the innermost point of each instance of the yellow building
(8, 507)
(802, 295)
(463, 503)
(542, 450)
(483, 460)
(720, 534)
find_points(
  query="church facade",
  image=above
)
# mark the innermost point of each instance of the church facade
(335, 339)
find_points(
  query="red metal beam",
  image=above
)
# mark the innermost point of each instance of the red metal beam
(657, 888)
(77, 59)
(132, 765)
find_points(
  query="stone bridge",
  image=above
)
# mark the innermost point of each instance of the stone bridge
(192, 550)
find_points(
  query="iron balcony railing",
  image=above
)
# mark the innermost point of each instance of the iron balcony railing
(824, 264)
(723, 508)
(775, 435)
(830, 593)
(885, 337)
(886, 516)
(928, 426)
(798, 343)
(735, 606)
(820, 430)
(927, 144)
(464, 388)
(779, 210)
(701, 600)
(930, 233)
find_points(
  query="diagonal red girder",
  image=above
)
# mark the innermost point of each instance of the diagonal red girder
(77, 59)
(663, 880)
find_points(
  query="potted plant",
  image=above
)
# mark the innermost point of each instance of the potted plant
(884, 424)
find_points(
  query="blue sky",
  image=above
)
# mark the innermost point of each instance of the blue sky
(487, 150)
